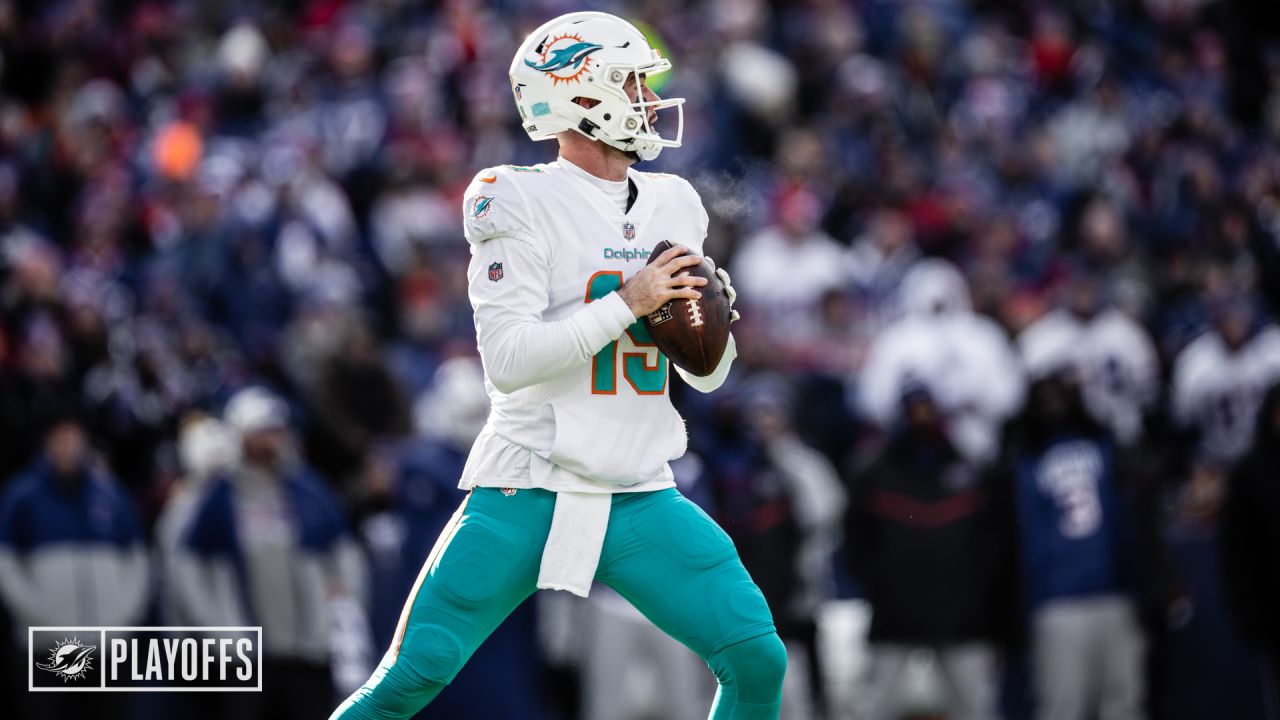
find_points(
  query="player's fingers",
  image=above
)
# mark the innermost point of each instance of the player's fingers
(679, 293)
(670, 254)
(677, 264)
(688, 280)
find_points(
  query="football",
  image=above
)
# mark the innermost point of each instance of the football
(693, 334)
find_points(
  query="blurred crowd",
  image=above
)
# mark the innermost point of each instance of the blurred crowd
(1007, 270)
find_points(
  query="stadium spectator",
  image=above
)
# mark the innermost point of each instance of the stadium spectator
(963, 359)
(267, 543)
(357, 404)
(768, 262)
(1079, 549)
(1202, 642)
(924, 539)
(1108, 351)
(1219, 380)
(206, 449)
(72, 554)
(880, 258)
(66, 527)
(39, 384)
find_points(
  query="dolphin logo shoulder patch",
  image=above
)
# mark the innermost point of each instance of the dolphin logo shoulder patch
(481, 206)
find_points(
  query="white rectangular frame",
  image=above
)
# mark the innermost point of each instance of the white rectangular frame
(102, 630)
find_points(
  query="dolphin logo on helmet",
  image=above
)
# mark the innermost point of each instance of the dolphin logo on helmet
(572, 57)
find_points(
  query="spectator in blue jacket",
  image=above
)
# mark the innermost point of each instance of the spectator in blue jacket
(1078, 561)
(71, 552)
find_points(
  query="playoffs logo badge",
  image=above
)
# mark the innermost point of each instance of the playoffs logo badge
(144, 659)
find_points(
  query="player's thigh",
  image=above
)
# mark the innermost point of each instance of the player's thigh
(680, 569)
(483, 566)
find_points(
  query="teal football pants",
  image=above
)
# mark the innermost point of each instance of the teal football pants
(661, 552)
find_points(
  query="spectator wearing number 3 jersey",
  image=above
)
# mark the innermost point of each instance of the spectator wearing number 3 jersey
(1077, 558)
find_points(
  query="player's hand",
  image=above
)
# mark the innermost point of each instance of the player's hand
(661, 281)
(728, 289)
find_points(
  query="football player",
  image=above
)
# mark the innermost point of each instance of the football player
(569, 480)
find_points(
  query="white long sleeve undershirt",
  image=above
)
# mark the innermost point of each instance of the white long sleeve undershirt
(518, 347)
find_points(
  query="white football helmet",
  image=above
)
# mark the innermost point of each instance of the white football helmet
(591, 55)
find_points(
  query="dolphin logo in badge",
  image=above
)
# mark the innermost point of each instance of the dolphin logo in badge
(70, 659)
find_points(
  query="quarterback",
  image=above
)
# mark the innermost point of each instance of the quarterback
(569, 482)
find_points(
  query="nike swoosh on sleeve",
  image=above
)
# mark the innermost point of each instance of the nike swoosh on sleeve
(490, 179)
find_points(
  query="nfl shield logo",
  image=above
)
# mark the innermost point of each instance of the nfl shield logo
(495, 272)
(661, 315)
(629, 231)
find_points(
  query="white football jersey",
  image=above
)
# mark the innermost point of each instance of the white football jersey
(964, 360)
(1117, 363)
(966, 363)
(580, 395)
(1219, 391)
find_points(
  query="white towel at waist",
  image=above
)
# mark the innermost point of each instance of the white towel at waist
(572, 553)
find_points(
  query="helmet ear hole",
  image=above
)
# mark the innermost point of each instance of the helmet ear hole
(586, 102)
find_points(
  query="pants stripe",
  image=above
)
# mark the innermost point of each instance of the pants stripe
(446, 536)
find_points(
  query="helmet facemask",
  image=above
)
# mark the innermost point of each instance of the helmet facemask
(622, 120)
